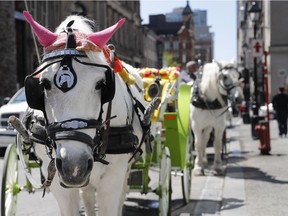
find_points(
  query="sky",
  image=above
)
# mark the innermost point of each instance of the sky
(221, 16)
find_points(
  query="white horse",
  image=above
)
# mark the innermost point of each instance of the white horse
(208, 110)
(77, 115)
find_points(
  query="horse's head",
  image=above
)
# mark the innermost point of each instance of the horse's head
(230, 79)
(70, 87)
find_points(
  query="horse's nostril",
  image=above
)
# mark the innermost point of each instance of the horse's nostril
(59, 165)
(90, 165)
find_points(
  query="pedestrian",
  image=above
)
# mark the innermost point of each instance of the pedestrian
(189, 75)
(280, 105)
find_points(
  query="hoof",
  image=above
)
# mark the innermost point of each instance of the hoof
(198, 172)
(205, 163)
(218, 172)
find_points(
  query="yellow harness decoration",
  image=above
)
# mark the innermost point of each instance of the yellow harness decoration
(159, 83)
(128, 78)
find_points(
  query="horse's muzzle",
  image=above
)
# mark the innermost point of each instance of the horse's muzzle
(75, 173)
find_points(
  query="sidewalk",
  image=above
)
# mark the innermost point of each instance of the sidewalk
(255, 184)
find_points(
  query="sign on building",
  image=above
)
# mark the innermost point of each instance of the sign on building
(257, 48)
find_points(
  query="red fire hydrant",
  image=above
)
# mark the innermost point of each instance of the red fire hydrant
(264, 138)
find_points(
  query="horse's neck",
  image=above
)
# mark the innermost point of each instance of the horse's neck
(211, 96)
(123, 102)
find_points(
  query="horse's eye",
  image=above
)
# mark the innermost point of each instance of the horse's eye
(46, 84)
(99, 84)
(225, 77)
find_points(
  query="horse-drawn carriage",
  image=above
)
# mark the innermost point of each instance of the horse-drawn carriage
(70, 130)
(171, 148)
(88, 129)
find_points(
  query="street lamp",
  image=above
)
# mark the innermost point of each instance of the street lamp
(246, 87)
(254, 14)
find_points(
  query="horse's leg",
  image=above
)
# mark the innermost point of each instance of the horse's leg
(206, 136)
(67, 199)
(217, 166)
(88, 196)
(198, 169)
(125, 189)
(111, 193)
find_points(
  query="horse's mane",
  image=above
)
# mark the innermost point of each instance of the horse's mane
(209, 86)
(81, 24)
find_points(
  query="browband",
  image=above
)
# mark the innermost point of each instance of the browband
(62, 53)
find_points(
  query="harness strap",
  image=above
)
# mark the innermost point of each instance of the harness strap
(125, 138)
(63, 53)
(145, 127)
(106, 124)
(223, 112)
(74, 135)
(106, 129)
(73, 124)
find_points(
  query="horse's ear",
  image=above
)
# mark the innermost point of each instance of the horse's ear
(218, 63)
(102, 37)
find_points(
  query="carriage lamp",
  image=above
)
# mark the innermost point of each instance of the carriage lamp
(255, 14)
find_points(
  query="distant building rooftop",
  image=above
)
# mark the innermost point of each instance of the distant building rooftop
(159, 25)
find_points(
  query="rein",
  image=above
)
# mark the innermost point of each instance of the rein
(145, 125)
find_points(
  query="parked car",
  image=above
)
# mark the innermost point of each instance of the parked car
(16, 106)
(246, 113)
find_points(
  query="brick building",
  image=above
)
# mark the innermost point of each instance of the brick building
(183, 37)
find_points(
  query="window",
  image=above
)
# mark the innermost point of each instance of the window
(184, 58)
(78, 9)
(166, 45)
(175, 45)
(184, 44)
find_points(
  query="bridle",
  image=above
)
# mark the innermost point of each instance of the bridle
(227, 86)
(69, 129)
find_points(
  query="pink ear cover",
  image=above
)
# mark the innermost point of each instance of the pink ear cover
(102, 37)
(45, 36)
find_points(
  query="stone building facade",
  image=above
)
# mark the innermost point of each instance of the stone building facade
(271, 29)
(129, 39)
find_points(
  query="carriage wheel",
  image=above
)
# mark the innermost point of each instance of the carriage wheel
(10, 187)
(165, 184)
(186, 178)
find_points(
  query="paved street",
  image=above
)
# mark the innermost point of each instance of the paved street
(253, 185)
